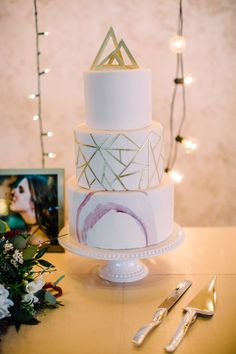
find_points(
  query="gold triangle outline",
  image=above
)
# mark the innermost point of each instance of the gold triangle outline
(110, 35)
(134, 64)
(107, 62)
(117, 55)
(110, 59)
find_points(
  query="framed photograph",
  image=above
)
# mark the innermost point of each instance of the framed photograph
(33, 200)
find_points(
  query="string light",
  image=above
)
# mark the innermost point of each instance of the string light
(32, 96)
(51, 155)
(45, 71)
(177, 45)
(48, 134)
(38, 117)
(43, 33)
(190, 144)
(176, 176)
(189, 80)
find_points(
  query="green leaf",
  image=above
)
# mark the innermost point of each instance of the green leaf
(41, 252)
(19, 242)
(1, 245)
(45, 263)
(59, 279)
(3, 227)
(29, 252)
(10, 271)
(21, 316)
(50, 298)
(40, 295)
(17, 326)
(33, 322)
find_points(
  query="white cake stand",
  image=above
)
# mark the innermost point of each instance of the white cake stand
(123, 266)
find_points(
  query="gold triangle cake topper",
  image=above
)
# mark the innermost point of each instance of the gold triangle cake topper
(115, 59)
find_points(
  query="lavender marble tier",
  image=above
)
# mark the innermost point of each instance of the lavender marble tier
(121, 220)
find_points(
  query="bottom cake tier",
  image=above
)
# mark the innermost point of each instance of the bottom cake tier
(121, 220)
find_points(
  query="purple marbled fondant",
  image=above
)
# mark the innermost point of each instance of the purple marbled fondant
(102, 210)
(82, 205)
(93, 212)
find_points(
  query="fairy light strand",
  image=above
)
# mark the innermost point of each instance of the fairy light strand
(38, 116)
(179, 74)
(177, 45)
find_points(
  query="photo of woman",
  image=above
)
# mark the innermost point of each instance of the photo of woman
(32, 205)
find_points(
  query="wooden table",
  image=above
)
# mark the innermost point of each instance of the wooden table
(100, 317)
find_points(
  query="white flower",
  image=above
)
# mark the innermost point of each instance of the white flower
(29, 298)
(13, 262)
(32, 288)
(7, 246)
(35, 285)
(18, 257)
(4, 302)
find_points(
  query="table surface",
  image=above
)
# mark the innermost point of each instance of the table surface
(100, 317)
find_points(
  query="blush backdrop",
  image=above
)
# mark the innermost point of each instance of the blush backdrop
(206, 197)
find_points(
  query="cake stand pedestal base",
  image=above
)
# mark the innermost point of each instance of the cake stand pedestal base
(123, 271)
(123, 266)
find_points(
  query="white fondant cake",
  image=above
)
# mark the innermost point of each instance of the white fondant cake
(119, 160)
(118, 99)
(119, 198)
(121, 220)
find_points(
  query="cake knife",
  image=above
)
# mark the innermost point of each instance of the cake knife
(202, 304)
(161, 312)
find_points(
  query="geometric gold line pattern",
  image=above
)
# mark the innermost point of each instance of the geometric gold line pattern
(118, 162)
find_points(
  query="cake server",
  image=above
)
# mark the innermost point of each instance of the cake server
(161, 312)
(202, 304)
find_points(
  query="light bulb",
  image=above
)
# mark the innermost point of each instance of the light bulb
(47, 134)
(51, 155)
(189, 80)
(32, 96)
(43, 33)
(175, 176)
(36, 117)
(177, 44)
(190, 145)
(45, 71)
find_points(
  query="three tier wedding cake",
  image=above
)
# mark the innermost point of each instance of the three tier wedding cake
(119, 198)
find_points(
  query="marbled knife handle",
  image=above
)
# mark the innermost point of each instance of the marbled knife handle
(159, 315)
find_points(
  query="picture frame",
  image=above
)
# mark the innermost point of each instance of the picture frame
(33, 200)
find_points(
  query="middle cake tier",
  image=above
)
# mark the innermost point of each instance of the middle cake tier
(119, 160)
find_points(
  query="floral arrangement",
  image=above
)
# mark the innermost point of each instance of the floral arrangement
(23, 292)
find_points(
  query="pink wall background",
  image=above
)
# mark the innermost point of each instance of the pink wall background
(206, 197)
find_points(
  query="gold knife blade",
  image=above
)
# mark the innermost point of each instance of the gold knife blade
(161, 312)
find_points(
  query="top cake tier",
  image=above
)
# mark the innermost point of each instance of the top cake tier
(118, 99)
